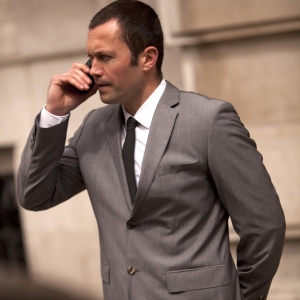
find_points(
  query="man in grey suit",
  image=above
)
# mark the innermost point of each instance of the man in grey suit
(194, 165)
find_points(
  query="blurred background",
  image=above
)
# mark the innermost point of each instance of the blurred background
(244, 51)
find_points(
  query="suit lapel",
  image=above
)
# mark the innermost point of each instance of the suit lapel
(160, 131)
(114, 125)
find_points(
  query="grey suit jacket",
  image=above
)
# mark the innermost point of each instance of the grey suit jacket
(200, 166)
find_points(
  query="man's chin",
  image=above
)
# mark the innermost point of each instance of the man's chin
(107, 100)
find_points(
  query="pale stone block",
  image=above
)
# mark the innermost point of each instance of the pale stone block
(215, 14)
(49, 27)
(259, 76)
(102, 3)
(15, 105)
(171, 66)
(8, 29)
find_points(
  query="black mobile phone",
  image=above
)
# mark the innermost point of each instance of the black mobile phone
(89, 64)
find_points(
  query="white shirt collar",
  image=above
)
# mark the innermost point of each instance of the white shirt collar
(145, 113)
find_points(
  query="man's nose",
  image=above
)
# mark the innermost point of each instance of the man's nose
(96, 69)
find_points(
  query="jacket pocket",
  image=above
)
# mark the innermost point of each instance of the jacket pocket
(105, 272)
(165, 170)
(196, 279)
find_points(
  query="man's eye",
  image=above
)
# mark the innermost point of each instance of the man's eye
(105, 57)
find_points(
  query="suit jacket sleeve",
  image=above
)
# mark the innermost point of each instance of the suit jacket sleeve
(49, 172)
(250, 199)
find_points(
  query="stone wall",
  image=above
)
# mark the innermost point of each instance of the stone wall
(248, 55)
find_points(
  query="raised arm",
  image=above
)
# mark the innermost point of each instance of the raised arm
(49, 173)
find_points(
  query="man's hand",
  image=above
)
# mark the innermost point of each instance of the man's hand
(69, 90)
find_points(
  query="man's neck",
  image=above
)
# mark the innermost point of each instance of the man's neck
(151, 86)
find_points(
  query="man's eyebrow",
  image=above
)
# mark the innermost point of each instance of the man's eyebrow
(100, 52)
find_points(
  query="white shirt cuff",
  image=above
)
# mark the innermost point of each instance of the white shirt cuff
(48, 120)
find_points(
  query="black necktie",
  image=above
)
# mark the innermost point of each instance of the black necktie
(128, 156)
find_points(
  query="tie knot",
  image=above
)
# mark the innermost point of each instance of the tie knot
(131, 124)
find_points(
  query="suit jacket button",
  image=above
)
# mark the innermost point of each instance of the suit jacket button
(262, 297)
(131, 270)
(131, 224)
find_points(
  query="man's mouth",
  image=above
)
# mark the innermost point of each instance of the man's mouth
(102, 86)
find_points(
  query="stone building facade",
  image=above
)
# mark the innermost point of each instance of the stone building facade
(245, 52)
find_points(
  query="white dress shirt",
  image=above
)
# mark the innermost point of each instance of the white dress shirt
(144, 116)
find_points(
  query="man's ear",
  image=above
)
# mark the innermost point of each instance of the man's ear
(149, 58)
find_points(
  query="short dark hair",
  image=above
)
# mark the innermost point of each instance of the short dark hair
(140, 27)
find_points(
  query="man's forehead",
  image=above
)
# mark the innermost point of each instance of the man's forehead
(103, 37)
(106, 33)
(98, 35)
